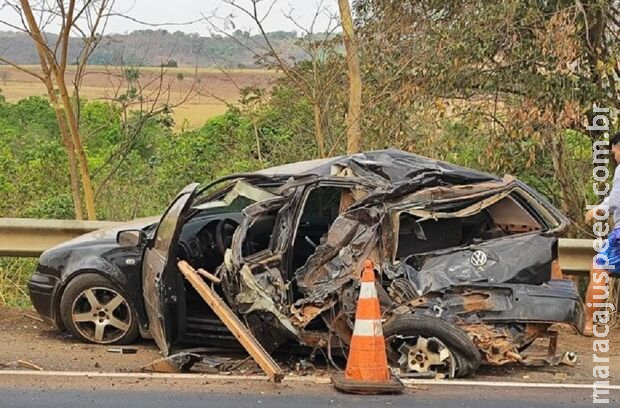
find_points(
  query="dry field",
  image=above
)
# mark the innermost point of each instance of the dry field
(204, 92)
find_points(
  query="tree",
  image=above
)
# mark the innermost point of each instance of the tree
(81, 25)
(5, 75)
(171, 64)
(354, 136)
(251, 99)
(131, 75)
(142, 97)
(87, 18)
(316, 78)
(524, 74)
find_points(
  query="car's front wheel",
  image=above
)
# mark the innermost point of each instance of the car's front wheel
(93, 309)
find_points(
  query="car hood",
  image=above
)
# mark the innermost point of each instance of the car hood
(106, 235)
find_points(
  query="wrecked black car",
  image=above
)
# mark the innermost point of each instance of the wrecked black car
(466, 263)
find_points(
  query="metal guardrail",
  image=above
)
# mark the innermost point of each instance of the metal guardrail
(30, 237)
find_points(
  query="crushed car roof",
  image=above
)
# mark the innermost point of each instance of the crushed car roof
(390, 164)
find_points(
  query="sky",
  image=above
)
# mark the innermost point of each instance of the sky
(182, 11)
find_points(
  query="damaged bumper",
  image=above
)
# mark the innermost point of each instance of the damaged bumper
(554, 302)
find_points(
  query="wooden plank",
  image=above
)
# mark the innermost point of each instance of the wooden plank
(208, 275)
(232, 322)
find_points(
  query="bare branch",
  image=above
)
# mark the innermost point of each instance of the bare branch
(148, 24)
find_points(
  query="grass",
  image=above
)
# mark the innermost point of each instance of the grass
(14, 275)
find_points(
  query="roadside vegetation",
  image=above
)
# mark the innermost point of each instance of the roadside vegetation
(502, 87)
(34, 180)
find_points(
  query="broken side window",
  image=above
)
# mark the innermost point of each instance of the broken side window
(322, 206)
(259, 235)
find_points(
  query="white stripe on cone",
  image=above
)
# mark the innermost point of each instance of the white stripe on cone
(367, 328)
(368, 291)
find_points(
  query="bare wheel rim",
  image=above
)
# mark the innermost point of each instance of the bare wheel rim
(420, 356)
(101, 315)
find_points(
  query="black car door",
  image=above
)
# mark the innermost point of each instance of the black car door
(158, 263)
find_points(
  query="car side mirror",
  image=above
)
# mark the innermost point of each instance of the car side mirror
(131, 238)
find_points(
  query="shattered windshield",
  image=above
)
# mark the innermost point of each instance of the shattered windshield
(243, 190)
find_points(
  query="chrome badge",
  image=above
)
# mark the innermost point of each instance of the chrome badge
(478, 258)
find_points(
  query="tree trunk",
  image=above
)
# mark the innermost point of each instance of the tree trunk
(49, 59)
(69, 149)
(354, 135)
(66, 140)
(571, 205)
(89, 196)
(257, 139)
(318, 129)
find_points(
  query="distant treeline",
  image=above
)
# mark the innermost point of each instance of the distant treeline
(162, 47)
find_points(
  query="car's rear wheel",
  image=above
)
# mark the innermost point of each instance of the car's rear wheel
(426, 345)
(93, 309)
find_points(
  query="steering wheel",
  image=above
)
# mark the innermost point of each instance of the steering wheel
(224, 231)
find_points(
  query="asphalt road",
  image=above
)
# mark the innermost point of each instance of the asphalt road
(171, 395)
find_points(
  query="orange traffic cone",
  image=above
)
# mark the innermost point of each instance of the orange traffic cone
(367, 370)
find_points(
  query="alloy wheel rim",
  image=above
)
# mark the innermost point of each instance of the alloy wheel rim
(421, 355)
(101, 315)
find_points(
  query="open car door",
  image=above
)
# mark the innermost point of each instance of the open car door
(157, 265)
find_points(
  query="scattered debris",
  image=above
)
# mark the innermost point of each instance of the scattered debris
(23, 364)
(303, 365)
(569, 358)
(123, 350)
(208, 365)
(324, 379)
(208, 275)
(239, 363)
(175, 363)
(37, 318)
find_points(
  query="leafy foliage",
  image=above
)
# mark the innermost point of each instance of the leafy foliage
(518, 77)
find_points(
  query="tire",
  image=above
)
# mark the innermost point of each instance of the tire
(465, 353)
(93, 309)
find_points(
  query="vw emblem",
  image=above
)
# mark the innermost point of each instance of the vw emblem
(478, 258)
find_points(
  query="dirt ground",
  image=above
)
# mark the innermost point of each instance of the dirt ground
(24, 338)
(580, 373)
